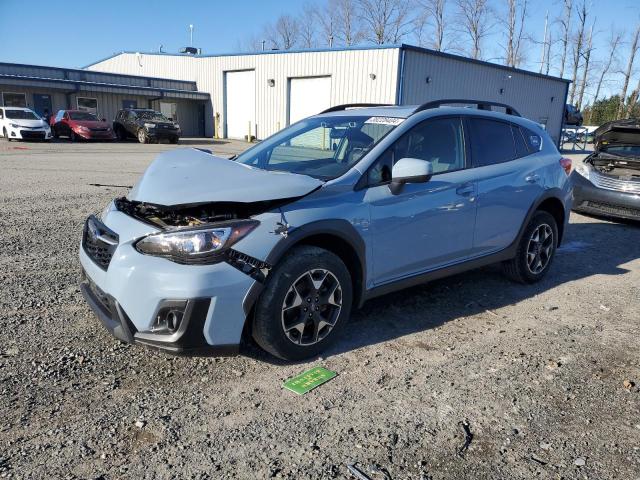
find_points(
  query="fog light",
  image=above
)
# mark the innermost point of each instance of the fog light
(169, 317)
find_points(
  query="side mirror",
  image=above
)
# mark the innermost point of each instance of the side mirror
(410, 170)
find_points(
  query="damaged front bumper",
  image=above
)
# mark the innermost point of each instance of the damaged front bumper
(130, 292)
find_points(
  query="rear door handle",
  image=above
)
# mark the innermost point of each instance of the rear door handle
(533, 178)
(465, 189)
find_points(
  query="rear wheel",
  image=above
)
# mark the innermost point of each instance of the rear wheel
(142, 136)
(535, 250)
(305, 304)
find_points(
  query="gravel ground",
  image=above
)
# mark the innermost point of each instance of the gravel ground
(544, 377)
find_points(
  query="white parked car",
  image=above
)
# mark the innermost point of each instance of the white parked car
(17, 123)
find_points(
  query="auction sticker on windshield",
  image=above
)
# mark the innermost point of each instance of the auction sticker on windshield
(307, 381)
(385, 120)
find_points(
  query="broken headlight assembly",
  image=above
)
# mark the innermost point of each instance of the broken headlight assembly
(195, 246)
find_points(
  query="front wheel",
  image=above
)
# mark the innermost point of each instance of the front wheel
(142, 136)
(5, 135)
(305, 303)
(536, 250)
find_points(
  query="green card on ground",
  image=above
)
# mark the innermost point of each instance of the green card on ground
(309, 380)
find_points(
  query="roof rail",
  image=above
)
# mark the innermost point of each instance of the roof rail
(482, 105)
(339, 108)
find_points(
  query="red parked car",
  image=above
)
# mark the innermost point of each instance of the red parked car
(80, 125)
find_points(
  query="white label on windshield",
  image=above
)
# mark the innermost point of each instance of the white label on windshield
(385, 120)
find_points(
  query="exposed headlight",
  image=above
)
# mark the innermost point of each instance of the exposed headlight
(14, 125)
(583, 169)
(195, 246)
(177, 125)
(83, 128)
(150, 125)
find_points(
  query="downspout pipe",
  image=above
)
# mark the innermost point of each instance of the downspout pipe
(400, 86)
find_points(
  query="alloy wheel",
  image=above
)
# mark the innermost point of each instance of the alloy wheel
(539, 248)
(311, 307)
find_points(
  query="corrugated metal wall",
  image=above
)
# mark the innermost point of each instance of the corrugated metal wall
(537, 98)
(350, 72)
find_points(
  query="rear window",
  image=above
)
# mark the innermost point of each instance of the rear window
(491, 142)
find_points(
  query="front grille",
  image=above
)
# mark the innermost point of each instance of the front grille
(612, 183)
(31, 134)
(610, 209)
(99, 242)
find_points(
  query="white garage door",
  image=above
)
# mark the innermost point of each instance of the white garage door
(240, 103)
(308, 96)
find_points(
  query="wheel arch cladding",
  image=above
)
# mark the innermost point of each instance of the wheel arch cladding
(554, 206)
(337, 236)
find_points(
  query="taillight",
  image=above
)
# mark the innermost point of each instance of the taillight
(565, 163)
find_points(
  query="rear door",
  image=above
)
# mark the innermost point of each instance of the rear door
(509, 181)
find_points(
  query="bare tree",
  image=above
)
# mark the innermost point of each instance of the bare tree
(633, 100)
(585, 72)
(475, 18)
(328, 19)
(433, 11)
(577, 48)
(348, 28)
(285, 33)
(514, 30)
(628, 71)
(614, 43)
(308, 26)
(565, 26)
(385, 21)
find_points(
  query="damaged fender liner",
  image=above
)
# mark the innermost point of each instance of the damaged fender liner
(199, 215)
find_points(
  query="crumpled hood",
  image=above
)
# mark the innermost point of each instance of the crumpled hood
(188, 176)
(91, 123)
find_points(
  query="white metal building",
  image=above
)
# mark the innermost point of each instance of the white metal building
(262, 92)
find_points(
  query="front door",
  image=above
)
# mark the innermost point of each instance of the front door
(425, 225)
(42, 104)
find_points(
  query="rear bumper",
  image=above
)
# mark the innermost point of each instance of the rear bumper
(590, 199)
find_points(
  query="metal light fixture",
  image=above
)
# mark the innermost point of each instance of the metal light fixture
(428, 79)
(372, 76)
(271, 82)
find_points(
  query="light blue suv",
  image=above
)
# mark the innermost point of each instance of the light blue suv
(281, 243)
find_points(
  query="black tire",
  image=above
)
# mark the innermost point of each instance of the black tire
(519, 268)
(142, 136)
(174, 140)
(121, 134)
(5, 135)
(270, 316)
(72, 136)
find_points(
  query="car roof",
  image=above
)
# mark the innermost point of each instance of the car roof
(405, 111)
(18, 108)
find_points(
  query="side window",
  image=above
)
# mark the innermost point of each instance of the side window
(1, 114)
(439, 141)
(521, 146)
(532, 139)
(491, 142)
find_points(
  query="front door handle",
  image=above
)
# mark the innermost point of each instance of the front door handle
(533, 178)
(465, 189)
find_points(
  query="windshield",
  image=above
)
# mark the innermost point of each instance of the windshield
(83, 116)
(151, 115)
(21, 115)
(623, 150)
(321, 147)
